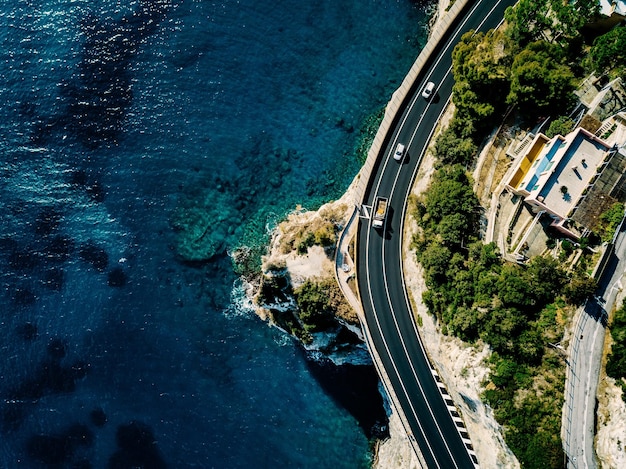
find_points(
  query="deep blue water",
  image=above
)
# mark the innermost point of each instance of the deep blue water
(119, 117)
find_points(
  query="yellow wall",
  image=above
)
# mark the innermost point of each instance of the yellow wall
(527, 161)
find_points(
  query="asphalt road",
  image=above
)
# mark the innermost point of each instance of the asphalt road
(584, 360)
(391, 328)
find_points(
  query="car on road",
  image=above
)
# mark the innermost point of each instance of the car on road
(399, 153)
(428, 90)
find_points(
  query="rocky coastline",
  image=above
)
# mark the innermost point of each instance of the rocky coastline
(297, 292)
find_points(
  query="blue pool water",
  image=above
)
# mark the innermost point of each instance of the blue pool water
(120, 117)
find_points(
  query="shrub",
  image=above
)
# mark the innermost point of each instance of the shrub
(616, 363)
(451, 149)
(609, 221)
(580, 288)
(316, 312)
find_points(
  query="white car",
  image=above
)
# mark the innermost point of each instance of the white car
(428, 90)
(399, 152)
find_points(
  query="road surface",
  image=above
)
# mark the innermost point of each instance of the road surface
(584, 359)
(390, 323)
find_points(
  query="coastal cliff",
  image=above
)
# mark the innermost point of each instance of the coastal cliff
(309, 306)
(297, 290)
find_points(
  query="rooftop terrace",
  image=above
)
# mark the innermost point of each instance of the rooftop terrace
(574, 166)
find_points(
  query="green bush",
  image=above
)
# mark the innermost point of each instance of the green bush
(451, 149)
(560, 126)
(580, 288)
(609, 221)
(314, 303)
(616, 363)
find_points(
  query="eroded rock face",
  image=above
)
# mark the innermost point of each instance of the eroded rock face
(327, 332)
(297, 290)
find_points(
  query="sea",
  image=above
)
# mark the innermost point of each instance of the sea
(141, 142)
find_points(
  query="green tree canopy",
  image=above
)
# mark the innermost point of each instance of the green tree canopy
(480, 64)
(436, 261)
(451, 193)
(609, 50)
(580, 288)
(512, 287)
(545, 279)
(527, 20)
(560, 126)
(452, 149)
(554, 20)
(540, 82)
(315, 307)
(616, 363)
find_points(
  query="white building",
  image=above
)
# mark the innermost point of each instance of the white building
(561, 176)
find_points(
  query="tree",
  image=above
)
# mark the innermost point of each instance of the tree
(616, 363)
(570, 17)
(560, 126)
(540, 83)
(452, 228)
(451, 193)
(579, 289)
(501, 329)
(314, 302)
(480, 64)
(451, 149)
(512, 287)
(504, 373)
(609, 50)
(435, 259)
(527, 20)
(464, 323)
(554, 20)
(545, 279)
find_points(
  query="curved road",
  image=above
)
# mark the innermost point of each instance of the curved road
(390, 326)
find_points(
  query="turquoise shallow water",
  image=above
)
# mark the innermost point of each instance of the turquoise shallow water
(114, 115)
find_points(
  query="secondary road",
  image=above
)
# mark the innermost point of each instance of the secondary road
(584, 357)
(391, 328)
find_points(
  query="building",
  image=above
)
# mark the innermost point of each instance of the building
(571, 179)
(614, 9)
(612, 12)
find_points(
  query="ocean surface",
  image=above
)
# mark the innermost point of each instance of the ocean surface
(130, 130)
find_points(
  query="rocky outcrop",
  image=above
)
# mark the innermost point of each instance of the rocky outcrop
(297, 290)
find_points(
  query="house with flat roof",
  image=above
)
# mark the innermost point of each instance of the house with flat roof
(557, 176)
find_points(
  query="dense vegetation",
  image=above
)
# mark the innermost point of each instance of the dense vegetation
(316, 310)
(608, 54)
(532, 67)
(616, 364)
(609, 221)
(516, 309)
